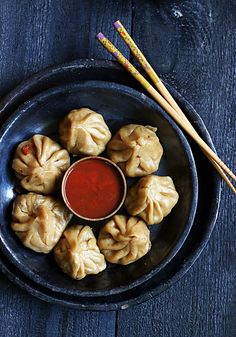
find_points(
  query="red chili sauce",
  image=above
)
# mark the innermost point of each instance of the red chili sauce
(94, 188)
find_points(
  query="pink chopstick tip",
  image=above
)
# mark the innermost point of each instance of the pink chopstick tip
(100, 36)
(117, 24)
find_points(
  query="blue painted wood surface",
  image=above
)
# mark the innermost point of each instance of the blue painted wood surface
(193, 44)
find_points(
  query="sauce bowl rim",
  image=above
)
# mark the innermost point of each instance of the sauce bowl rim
(70, 169)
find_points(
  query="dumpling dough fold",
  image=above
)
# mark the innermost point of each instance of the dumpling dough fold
(136, 149)
(84, 131)
(39, 221)
(124, 239)
(151, 198)
(40, 163)
(77, 253)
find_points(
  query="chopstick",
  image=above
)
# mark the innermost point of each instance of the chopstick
(147, 67)
(173, 113)
(162, 88)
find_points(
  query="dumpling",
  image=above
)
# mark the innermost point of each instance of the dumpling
(40, 163)
(124, 239)
(39, 221)
(136, 149)
(77, 253)
(84, 131)
(151, 198)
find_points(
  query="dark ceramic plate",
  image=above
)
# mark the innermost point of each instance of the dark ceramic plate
(208, 202)
(119, 106)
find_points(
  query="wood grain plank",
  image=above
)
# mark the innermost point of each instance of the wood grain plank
(40, 33)
(192, 45)
(25, 316)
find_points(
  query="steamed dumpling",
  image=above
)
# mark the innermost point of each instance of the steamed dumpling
(39, 221)
(77, 253)
(136, 149)
(124, 239)
(84, 131)
(40, 163)
(152, 198)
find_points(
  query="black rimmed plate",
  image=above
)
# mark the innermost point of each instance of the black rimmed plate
(119, 106)
(124, 295)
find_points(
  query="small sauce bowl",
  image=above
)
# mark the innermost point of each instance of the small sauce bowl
(94, 188)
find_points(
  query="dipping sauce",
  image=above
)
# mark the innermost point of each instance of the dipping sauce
(94, 188)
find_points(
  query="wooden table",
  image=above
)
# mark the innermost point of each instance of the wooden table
(192, 44)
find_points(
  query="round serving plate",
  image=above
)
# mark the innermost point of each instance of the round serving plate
(119, 106)
(209, 189)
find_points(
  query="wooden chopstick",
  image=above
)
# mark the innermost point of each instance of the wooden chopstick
(147, 67)
(134, 72)
(162, 88)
